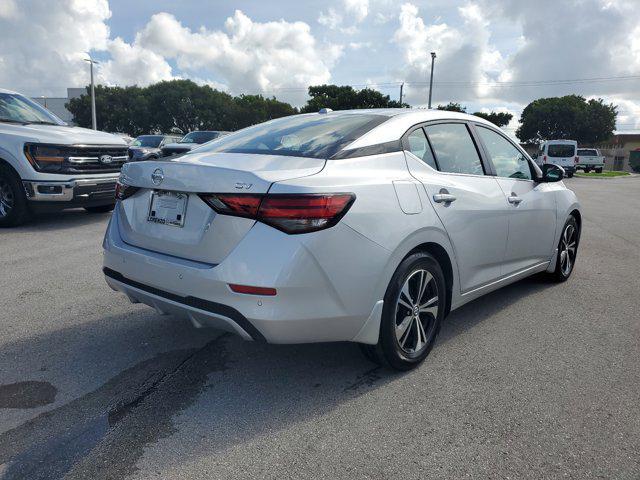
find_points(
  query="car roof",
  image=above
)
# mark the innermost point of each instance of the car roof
(3, 90)
(400, 120)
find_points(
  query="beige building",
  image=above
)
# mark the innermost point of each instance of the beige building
(620, 148)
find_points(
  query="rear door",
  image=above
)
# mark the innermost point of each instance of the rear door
(531, 206)
(562, 154)
(468, 201)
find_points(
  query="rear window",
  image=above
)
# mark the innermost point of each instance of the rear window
(560, 150)
(315, 136)
(587, 153)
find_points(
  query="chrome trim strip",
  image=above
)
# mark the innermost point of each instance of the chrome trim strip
(507, 278)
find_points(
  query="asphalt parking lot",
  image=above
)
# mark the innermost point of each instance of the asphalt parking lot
(534, 381)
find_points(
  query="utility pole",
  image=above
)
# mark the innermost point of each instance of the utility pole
(401, 87)
(94, 123)
(433, 58)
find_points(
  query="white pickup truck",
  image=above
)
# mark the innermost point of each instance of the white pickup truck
(46, 164)
(590, 159)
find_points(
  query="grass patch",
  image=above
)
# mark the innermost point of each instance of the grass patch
(606, 174)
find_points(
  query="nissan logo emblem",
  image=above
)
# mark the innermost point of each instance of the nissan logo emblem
(106, 159)
(157, 176)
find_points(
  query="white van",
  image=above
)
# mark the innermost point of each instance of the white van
(559, 152)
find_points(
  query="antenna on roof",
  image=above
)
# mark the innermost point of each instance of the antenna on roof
(325, 110)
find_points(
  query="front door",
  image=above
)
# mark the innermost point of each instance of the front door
(531, 206)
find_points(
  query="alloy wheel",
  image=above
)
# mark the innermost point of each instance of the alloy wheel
(568, 249)
(416, 312)
(6, 198)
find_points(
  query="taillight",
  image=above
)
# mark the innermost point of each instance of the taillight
(577, 159)
(124, 191)
(290, 213)
(544, 159)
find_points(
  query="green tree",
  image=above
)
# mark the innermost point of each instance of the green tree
(346, 97)
(176, 106)
(499, 119)
(569, 117)
(452, 107)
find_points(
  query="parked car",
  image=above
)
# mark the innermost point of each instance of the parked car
(590, 159)
(149, 147)
(46, 164)
(561, 153)
(190, 141)
(367, 226)
(127, 139)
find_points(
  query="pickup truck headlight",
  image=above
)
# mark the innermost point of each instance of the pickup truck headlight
(45, 158)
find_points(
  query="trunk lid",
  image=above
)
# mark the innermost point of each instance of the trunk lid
(204, 236)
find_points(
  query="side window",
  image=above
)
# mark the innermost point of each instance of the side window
(454, 148)
(507, 159)
(419, 146)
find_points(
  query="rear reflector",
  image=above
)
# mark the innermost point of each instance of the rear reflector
(291, 213)
(252, 290)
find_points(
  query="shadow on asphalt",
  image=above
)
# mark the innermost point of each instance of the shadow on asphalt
(247, 389)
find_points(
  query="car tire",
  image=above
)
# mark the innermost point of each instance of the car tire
(570, 174)
(587, 170)
(408, 331)
(567, 249)
(100, 208)
(598, 170)
(14, 206)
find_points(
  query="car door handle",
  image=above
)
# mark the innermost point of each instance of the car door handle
(444, 198)
(514, 199)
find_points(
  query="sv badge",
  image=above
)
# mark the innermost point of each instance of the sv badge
(243, 186)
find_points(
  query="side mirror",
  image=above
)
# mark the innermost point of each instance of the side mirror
(552, 173)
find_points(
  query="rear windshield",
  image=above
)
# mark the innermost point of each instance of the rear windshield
(560, 150)
(587, 153)
(315, 135)
(199, 137)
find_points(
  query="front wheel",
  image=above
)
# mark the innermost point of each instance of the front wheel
(414, 307)
(14, 208)
(567, 250)
(100, 208)
(598, 170)
(570, 174)
(587, 170)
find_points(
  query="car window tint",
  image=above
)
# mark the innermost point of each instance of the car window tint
(454, 148)
(507, 159)
(419, 146)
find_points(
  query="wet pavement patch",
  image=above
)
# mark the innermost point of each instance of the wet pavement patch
(30, 394)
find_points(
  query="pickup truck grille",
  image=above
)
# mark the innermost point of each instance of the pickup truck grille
(96, 159)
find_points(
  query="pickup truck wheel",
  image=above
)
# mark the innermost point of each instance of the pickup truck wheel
(587, 170)
(100, 208)
(14, 208)
(598, 170)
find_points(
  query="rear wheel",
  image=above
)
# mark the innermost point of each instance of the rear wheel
(100, 208)
(14, 208)
(598, 170)
(567, 250)
(414, 307)
(570, 174)
(587, 170)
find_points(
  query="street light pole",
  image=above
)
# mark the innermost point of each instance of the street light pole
(433, 58)
(94, 123)
(401, 88)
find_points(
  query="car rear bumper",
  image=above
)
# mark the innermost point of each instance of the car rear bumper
(74, 192)
(310, 305)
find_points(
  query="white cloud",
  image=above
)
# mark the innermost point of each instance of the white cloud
(351, 14)
(359, 9)
(42, 46)
(331, 19)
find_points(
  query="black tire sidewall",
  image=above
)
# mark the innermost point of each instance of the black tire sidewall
(20, 212)
(388, 345)
(558, 272)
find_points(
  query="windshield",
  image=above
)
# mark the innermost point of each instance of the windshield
(587, 153)
(316, 135)
(20, 109)
(152, 141)
(561, 150)
(199, 137)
